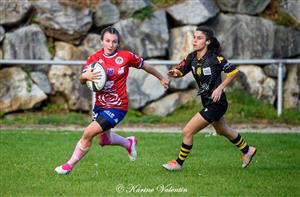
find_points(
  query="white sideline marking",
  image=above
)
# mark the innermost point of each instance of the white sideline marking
(162, 129)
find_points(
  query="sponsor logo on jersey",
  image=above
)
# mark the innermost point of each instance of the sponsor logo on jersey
(204, 86)
(109, 113)
(95, 115)
(119, 60)
(207, 71)
(121, 71)
(110, 71)
(220, 58)
(199, 70)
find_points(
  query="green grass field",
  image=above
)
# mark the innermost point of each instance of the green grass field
(213, 168)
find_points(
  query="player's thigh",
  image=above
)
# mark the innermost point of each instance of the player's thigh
(220, 125)
(92, 130)
(222, 128)
(195, 125)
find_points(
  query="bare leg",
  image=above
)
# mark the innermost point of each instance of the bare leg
(247, 151)
(192, 127)
(196, 124)
(90, 131)
(81, 148)
(223, 129)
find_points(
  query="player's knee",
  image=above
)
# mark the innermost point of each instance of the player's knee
(87, 135)
(220, 131)
(187, 133)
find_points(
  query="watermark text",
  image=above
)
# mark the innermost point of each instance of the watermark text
(138, 188)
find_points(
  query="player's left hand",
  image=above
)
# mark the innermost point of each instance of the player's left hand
(216, 95)
(165, 82)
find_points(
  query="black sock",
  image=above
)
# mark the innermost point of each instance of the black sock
(184, 151)
(241, 144)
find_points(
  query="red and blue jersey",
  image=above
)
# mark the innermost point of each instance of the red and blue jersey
(114, 94)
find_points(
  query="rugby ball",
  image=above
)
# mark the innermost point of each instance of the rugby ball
(96, 85)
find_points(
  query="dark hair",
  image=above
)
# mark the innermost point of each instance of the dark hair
(214, 45)
(110, 30)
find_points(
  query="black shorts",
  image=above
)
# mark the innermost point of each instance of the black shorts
(104, 123)
(214, 111)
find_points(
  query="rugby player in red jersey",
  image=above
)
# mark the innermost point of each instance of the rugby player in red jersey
(111, 102)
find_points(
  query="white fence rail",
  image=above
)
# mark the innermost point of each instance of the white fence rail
(279, 62)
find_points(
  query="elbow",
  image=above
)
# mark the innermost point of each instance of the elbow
(233, 73)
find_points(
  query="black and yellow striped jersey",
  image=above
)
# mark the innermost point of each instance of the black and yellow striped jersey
(206, 71)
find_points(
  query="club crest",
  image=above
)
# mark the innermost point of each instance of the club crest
(110, 71)
(119, 60)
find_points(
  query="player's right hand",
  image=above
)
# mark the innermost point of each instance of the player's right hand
(174, 73)
(91, 76)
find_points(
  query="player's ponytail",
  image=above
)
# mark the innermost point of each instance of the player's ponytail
(214, 45)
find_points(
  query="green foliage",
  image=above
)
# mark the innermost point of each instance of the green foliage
(280, 16)
(165, 3)
(2, 114)
(148, 11)
(144, 13)
(46, 118)
(29, 81)
(54, 108)
(51, 47)
(28, 159)
(243, 108)
(70, 118)
(136, 117)
(34, 19)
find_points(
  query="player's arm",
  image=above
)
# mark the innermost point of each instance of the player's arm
(181, 69)
(175, 73)
(218, 91)
(229, 77)
(151, 70)
(231, 73)
(88, 74)
(83, 78)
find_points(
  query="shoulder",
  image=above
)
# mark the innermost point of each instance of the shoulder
(191, 56)
(218, 59)
(125, 52)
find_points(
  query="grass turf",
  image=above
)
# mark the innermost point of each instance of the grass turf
(213, 168)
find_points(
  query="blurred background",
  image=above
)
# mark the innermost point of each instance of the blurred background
(156, 30)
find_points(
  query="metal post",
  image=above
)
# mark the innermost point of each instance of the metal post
(279, 90)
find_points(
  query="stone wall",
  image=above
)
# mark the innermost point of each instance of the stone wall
(62, 30)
